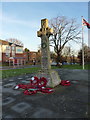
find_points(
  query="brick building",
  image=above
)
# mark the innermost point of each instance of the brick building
(11, 52)
(32, 56)
(3, 45)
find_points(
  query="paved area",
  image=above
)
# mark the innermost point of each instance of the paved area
(65, 102)
(17, 67)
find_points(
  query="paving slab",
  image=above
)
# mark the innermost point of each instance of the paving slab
(65, 102)
(42, 113)
(73, 74)
(25, 82)
(9, 85)
(21, 107)
(7, 101)
(10, 90)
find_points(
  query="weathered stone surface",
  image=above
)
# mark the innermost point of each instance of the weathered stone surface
(10, 116)
(20, 78)
(42, 113)
(7, 100)
(11, 91)
(0, 82)
(74, 81)
(28, 79)
(0, 102)
(25, 81)
(26, 76)
(34, 97)
(21, 107)
(0, 88)
(11, 80)
(0, 95)
(65, 102)
(9, 85)
(51, 76)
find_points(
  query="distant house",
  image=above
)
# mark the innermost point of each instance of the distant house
(11, 52)
(32, 56)
(35, 56)
(3, 45)
(14, 54)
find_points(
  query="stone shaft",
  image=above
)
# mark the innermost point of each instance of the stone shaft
(45, 54)
(45, 33)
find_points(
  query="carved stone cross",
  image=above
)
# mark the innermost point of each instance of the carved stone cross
(46, 71)
(45, 30)
(45, 33)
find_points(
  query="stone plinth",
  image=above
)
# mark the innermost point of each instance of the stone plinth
(51, 76)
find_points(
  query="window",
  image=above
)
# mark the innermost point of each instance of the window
(8, 54)
(34, 53)
(7, 47)
(13, 54)
(13, 48)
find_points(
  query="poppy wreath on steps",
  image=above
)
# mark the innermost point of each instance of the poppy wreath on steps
(22, 86)
(34, 81)
(65, 83)
(42, 82)
(35, 85)
(30, 92)
(47, 90)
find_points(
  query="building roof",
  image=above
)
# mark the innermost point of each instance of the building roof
(17, 58)
(3, 42)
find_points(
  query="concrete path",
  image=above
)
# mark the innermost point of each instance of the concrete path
(65, 102)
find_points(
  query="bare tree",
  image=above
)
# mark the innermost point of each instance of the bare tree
(15, 41)
(66, 51)
(27, 53)
(86, 55)
(64, 31)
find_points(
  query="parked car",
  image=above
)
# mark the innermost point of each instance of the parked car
(54, 63)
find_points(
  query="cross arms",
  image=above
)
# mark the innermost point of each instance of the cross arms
(45, 30)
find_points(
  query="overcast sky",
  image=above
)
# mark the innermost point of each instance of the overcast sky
(21, 20)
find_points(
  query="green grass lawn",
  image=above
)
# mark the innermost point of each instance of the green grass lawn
(15, 72)
(77, 66)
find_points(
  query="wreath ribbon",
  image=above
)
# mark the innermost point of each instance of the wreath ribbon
(36, 85)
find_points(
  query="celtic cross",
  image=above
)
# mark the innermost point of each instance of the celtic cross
(45, 33)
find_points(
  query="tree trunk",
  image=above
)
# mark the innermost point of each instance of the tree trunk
(58, 59)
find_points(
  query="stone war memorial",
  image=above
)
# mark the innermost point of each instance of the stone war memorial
(52, 76)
